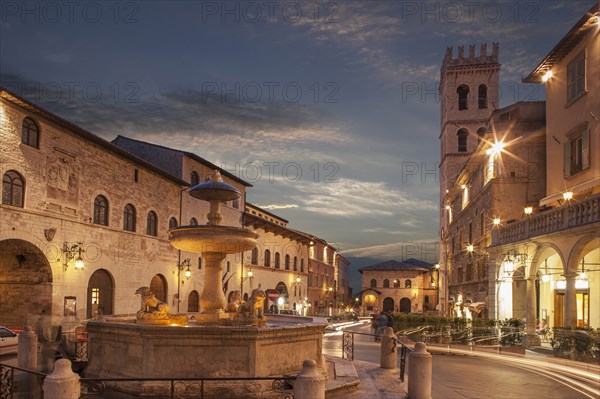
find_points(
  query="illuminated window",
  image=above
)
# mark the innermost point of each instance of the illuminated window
(407, 284)
(95, 296)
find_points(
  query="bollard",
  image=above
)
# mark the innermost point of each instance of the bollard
(309, 384)
(27, 349)
(63, 383)
(419, 373)
(389, 353)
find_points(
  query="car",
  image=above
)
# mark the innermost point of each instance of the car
(9, 341)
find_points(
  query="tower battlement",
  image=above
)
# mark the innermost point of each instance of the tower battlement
(471, 58)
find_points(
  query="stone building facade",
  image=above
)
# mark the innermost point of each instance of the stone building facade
(555, 249)
(68, 195)
(405, 287)
(502, 176)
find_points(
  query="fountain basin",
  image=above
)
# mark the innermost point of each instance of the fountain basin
(121, 348)
(213, 238)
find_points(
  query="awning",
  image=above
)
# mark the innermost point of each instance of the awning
(477, 307)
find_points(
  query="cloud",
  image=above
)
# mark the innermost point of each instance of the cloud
(426, 250)
(278, 206)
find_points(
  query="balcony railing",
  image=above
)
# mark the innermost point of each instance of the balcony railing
(575, 214)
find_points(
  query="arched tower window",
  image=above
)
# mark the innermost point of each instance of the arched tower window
(462, 135)
(302, 265)
(482, 97)
(407, 284)
(295, 263)
(172, 223)
(101, 210)
(373, 283)
(386, 283)
(193, 222)
(287, 262)
(463, 97)
(267, 258)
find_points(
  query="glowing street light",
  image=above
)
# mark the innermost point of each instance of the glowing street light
(528, 210)
(568, 195)
(547, 76)
(496, 221)
(495, 149)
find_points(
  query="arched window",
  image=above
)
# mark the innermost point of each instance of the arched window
(462, 135)
(373, 283)
(480, 133)
(193, 222)
(396, 283)
(152, 224)
(172, 223)
(194, 179)
(463, 97)
(30, 133)
(13, 189)
(482, 98)
(101, 210)
(407, 284)
(129, 218)
(254, 260)
(267, 258)
(287, 262)
(386, 283)
(302, 265)
(295, 263)
(277, 260)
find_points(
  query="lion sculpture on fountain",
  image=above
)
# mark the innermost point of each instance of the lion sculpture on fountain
(250, 312)
(150, 307)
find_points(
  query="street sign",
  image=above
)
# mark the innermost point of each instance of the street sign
(274, 295)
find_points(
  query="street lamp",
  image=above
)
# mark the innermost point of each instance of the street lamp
(188, 273)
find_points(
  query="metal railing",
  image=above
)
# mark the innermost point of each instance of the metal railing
(348, 347)
(31, 386)
(176, 388)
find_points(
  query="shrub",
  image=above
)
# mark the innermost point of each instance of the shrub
(577, 344)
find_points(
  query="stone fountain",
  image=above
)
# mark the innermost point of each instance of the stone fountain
(217, 344)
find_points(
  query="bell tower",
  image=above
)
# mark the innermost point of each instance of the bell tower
(469, 93)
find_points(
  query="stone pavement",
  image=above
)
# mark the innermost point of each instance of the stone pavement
(359, 380)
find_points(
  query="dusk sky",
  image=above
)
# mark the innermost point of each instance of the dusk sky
(341, 93)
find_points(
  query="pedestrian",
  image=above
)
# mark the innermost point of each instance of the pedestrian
(374, 327)
(390, 319)
(382, 323)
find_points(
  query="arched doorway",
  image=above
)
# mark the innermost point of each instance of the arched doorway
(388, 304)
(158, 286)
(100, 294)
(405, 305)
(25, 283)
(193, 301)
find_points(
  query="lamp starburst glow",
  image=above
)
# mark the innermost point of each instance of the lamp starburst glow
(547, 76)
(568, 195)
(545, 278)
(496, 221)
(495, 149)
(528, 210)
(470, 248)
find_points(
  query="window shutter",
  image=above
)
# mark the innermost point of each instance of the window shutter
(567, 158)
(585, 149)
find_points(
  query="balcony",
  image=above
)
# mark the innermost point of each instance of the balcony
(575, 214)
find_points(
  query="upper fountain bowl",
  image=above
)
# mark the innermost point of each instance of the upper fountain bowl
(211, 238)
(215, 191)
